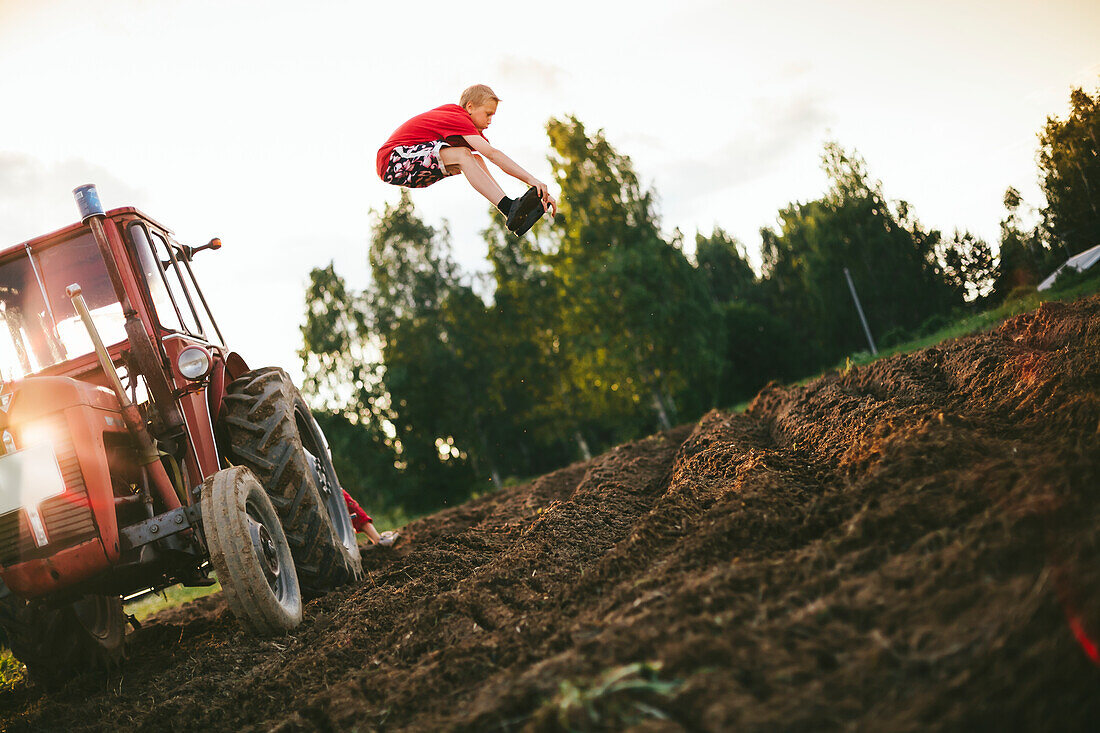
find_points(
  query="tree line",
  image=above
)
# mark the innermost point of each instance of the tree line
(434, 384)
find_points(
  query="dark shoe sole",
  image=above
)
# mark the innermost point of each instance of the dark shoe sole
(522, 208)
(529, 221)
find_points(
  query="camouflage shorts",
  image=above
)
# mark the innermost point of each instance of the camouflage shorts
(416, 166)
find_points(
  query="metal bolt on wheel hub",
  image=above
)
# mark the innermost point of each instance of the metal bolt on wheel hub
(322, 476)
(265, 550)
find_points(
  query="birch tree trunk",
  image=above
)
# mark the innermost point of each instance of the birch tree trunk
(583, 445)
(662, 415)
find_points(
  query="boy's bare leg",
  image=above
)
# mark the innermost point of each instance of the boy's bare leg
(386, 539)
(481, 161)
(475, 170)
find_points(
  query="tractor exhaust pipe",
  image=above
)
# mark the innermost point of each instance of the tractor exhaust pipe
(148, 455)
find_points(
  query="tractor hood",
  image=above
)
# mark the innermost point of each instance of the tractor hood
(34, 397)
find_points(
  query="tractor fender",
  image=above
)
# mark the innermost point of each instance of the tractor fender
(224, 372)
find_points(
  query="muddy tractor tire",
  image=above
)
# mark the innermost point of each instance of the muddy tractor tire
(267, 426)
(249, 552)
(60, 643)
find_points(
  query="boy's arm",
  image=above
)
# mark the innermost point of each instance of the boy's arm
(509, 166)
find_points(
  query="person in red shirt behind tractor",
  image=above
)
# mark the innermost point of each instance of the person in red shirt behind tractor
(449, 140)
(363, 523)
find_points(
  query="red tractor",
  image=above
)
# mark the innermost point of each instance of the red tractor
(139, 451)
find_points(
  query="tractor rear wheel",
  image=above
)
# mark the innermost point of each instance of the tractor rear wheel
(267, 426)
(59, 643)
(249, 552)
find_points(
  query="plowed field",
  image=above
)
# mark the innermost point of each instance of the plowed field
(909, 545)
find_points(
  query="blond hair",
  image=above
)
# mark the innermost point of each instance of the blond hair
(477, 95)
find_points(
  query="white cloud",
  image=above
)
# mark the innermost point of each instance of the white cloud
(528, 72)
(772, 130)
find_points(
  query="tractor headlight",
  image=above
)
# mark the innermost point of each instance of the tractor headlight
(27, 478)
(194, 362)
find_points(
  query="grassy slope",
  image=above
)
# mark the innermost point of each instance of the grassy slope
(984, 321)
(976, 323)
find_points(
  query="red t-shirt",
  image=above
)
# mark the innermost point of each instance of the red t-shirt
(437, 124)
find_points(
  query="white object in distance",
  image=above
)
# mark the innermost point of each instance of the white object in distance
(1080, 262)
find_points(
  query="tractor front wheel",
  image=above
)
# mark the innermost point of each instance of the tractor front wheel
(249, 552)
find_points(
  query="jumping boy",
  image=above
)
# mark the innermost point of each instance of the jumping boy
(449, 140)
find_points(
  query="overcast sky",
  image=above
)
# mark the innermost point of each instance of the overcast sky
(259, 121)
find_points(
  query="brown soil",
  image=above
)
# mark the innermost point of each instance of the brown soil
(891, 548)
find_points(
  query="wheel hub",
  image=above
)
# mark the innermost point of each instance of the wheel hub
(265, 550)
(322, 477)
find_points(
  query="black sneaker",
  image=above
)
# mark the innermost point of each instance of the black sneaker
(522, 207)
(525, 224)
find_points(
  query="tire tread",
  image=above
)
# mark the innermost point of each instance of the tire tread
(262, 434)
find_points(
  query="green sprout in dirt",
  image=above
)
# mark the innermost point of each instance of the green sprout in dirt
(12, 670)
(620, 697)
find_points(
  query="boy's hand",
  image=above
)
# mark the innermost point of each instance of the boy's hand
(540, 187)
(548, 202)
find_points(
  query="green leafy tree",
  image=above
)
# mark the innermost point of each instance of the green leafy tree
(755, 347)
(967, 264)
(725, 267)
(1069, 162)
(891, 258)
(1023, 257)
(339, 374)
(416, 306)
(632, 309)
(749, 344)
(343, 377)
(364, 459)
(411, 268)
(399, 362)
(534, 381)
